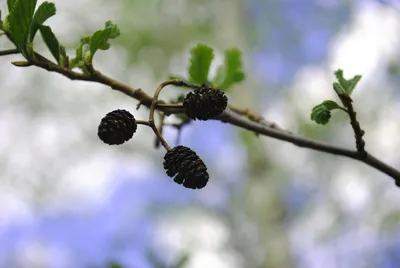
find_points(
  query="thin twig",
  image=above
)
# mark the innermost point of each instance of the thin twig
(142, 122)
(9, 52)
(160, 129)
(358, 132)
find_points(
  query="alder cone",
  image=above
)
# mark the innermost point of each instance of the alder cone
(117, 127)
(187, 167)
(205, 103)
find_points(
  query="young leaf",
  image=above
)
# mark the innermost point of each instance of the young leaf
(347, 85)
(51, 41)
(114, 29)
(353, 83)
(200, 61)
(64, 60)
(20, 20)
(322, 112)
(330, 105)
(78, 60)
(338, 88)
(233, 69)
(44, 11)
(100, 38)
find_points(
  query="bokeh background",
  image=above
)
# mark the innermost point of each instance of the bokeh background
(68, 200)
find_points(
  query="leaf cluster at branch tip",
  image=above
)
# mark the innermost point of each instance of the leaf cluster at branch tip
(321, 113)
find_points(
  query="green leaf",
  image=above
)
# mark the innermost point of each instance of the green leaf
(115, 32)
(64, 60)
(353, 83)
(78, 60)
(20, 20)
(10, 4)
(338, 88)
(330, 105)
(45, 11)
(29, 50)
(233, 69)
(6, 24)
(347, 85)
(99, 40)
(320, 114)
(200, 61)
(51, 41)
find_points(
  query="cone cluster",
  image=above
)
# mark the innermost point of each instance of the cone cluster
(205, 103)
(186, 167)
(117, 127)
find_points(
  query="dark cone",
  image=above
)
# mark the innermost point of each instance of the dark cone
(117, 127)
(187, 166)
(205, 103)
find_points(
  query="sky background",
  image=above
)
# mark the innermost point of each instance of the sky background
(68, 200)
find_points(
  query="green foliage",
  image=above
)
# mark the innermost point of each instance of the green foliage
(343, 85)
(51, 41)
(10, 4)
(343, 88)
(44, 11)
(322, 112)
(226, 76)
(99, 40)
(231, 73)
(19, 20)
(331, 105)
(78, 60)
(200, 61)
(63, 56)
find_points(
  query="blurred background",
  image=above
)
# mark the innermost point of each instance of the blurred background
(68, 200)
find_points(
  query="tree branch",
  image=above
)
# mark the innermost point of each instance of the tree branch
(300, 141)
(243, 118)
(9, 52)
(358, 132)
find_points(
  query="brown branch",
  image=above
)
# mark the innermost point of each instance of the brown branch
(255, 117)
(300, 141)
(358, 132)
(234, 116)
(9, 52)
